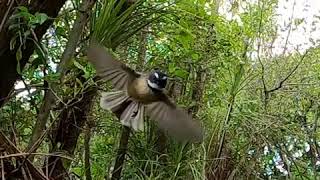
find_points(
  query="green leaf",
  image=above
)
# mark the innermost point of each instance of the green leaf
(195, 56)
(172, 67)
(19, 54)
(60, 31)
(18, 68)
(36, 62)
(181, 73)
(298, 21)
(23, 9)
(52, 77)
(79, 66)
(27, 15)
(77, 170)
(41, 17)
(18, 57)
(185, 39)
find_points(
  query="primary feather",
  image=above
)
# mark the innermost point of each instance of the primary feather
(110, 69)
(112, 100)
(175, 121)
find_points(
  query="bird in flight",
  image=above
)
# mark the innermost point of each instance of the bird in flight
(146, 95)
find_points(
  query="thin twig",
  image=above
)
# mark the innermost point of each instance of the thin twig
(2, 170)
(26, 154)
(6, 15)
(259, 59)
(289, 32)
(289, 75)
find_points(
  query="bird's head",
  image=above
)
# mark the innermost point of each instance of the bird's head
(157, 80)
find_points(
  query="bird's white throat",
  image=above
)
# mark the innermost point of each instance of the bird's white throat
(154, 85)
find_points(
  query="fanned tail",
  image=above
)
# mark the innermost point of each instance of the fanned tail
(132, 116)
(113, 100)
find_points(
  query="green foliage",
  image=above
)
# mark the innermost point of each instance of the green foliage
(22, 24)
(112, 26)
(260, 111)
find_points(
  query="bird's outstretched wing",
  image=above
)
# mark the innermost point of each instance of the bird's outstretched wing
(175, 121)
(110, 69)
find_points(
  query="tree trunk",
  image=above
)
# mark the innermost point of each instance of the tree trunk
(71, 121)
(197, 90)
(87, 165)
(122, 150)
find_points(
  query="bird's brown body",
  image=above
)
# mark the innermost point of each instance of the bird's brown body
(140, 91)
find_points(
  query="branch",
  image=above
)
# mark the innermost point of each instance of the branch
(259, 59)
(289, 32)
(12, 149)
(289, 75)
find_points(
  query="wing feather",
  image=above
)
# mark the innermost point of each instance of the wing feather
(175, 121)
(110, 69)
(112, 100)
(109, 75)
(132, 116)
(120, 80)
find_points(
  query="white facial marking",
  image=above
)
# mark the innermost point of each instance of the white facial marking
(153, 85)
(164, 77)
(157, 75)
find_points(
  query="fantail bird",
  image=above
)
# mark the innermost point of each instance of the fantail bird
(146, 91)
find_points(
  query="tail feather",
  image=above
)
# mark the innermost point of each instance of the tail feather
(112, 100)
(132, 116)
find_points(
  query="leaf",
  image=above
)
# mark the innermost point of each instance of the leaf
(41, 54)
(36, 62)
(181, 73)
(60, 31)
(13, 42)
(195, 56)
(18, 57)
(41, 17)
(77, 171)
(298, 21)
(18, 68)
(78, 65)
(185, 39)
(19, 54)
(27, 15)
(26, 34)
(23, 9)
(172, 68)
(79, 82)
(14, 26)
(52, 77)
